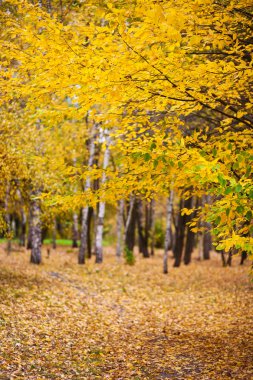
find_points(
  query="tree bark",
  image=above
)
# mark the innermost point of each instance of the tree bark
(243, 257)
(8, 219)
(89, 240)
(223, 258)
(101, 207)
(168, 232)
(22, 235)
(152, 226)
(85, 210)
(29, 237)
(180, 232)
(54, 234)
(200, 246)
(207, 238)
(75, 234)
(23, 220)
(36, 230)
(143, 241)
(190, 237)
(129, 235)
(207, 242)
(230, 255)
(120, 212)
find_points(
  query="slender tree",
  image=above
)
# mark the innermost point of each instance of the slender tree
(101, 205)
(168, 233)
(129, 234)
(85, 210)
(120, 221)
(142, 231)
(180, 231)
(36, 231)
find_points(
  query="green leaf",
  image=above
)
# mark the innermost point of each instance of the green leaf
(217, 220)
(221, 180)
(155, 163)
(240, 209)
(248, 171)
(249, 215)
(238, 188)
(147, 157)
(152, 146)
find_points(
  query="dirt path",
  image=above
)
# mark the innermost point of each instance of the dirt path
(63, 321)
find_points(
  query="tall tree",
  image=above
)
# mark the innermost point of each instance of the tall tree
(36, 231)
(120, 222)
(101, 205)
(85, 210)
(168, 233)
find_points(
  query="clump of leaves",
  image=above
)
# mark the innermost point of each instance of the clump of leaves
(129, 256)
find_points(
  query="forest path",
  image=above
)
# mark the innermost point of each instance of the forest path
(112, 321)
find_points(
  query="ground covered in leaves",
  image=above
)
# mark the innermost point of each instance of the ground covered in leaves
(64, 321)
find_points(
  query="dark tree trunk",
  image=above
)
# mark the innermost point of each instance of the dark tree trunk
(22, 221)
(152, 226)
(44, 233)
(190, 236)
(223, 258)
(8, 220)
(22, 236)
(120, 221)
(168, 233)
(207, 242)
(75, 234)
(54, 234)
(89, 241)
(229, 260)
(95, 221)
(130, 226)
(189, 246)
(180, 232)
(243, 257)
(29, 237)
(143, 241)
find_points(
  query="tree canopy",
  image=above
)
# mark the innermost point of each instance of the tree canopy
(169, 81)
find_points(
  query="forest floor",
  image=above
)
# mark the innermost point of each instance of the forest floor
(113, 321)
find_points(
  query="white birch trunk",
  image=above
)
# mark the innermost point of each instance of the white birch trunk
(168, 233)
(101, 208)
(36, 229)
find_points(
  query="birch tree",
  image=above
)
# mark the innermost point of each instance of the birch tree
(101, 205)
(85, 210)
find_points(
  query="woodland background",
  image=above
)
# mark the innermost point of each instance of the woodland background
(126, 145)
